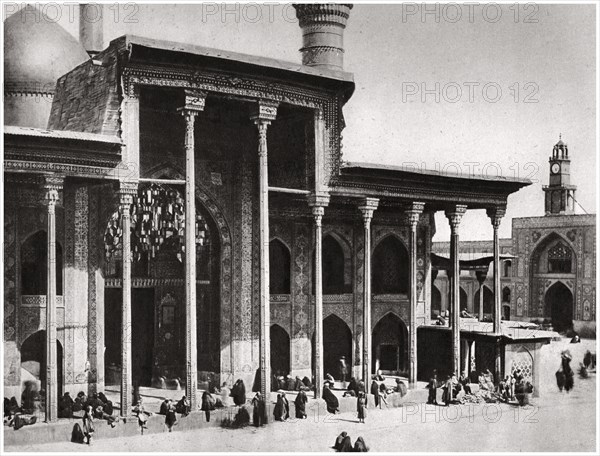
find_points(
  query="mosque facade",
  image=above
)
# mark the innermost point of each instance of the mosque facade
(300, 257)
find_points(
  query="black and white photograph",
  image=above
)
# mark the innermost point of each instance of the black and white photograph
(270, 227)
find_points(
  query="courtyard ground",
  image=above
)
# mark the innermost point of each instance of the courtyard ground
(553, 422)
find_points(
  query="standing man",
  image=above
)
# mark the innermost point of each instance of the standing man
(433, 386)
(342, 369)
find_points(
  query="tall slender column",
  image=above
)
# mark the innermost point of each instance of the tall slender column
(495, 214)
(367, 208)
(415, 210)
(481, 276)
(52, 185)
(318, 202)
(262, 115)
(193, 104)
(126, 192)
(454, 216)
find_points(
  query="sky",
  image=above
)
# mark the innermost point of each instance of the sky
(480, 89)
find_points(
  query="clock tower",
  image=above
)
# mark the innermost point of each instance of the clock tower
(560, 194)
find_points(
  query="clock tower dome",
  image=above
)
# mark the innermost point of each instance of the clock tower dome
(560, 194)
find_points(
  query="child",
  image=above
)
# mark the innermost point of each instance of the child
(361, 407)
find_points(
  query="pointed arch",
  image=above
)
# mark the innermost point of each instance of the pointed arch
(488, 301)
(336, 264)
(390, 266)
(507, 268)
(554, 254)
(220, 338)
(463, 299)
(506, 294)
(558, 306)
(337, 342)
(34, 261)
(280, 350)
(279, 267)
(33, 359)
(390, 345)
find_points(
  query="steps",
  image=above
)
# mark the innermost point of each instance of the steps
(61, 431)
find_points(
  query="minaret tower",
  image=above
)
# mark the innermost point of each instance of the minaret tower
(560, 194)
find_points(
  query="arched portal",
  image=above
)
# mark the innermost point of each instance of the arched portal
(390, 267)
(33, 361)
(436, 302)
(337, 342)
(488, 301)
(390, 346)
(158, 292)
(280, 351)
(559, 307)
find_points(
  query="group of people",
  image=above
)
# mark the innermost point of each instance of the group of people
(343, 444)
(289, 383)
(13, 414)
(512, 387)
(450, 388)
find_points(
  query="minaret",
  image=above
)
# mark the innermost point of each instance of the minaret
(91, 24)
(323, 27)
(560, 194)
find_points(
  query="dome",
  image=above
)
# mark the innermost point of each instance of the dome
(37, 51)
(560, 141)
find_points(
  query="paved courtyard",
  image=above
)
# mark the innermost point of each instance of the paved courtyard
(554, 422)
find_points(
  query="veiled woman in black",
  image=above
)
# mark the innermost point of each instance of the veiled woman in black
(346, 445)
(300, 403)
(282, 408)
(259, 414)
(238, 392)
(360, 446)
(333, 404)
(338, 441)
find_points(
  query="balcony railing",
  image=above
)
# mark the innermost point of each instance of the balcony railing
(39, 301)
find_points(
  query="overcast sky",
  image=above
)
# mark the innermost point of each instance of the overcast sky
(507, 82)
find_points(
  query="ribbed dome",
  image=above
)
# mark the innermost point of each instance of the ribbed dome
(37, 51)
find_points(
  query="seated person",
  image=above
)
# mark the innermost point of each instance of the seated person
(290, 383)
(183, 406)
(464, 381)
(65, 406)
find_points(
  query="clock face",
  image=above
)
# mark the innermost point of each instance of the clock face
(555, 168)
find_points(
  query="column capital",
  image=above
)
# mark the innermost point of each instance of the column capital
(127, 190)
(414, 212)
(318, 200)
(367, 208)
(52, 184)
(193, 102)
(264, 111)
(455, 214)
(495, 214)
